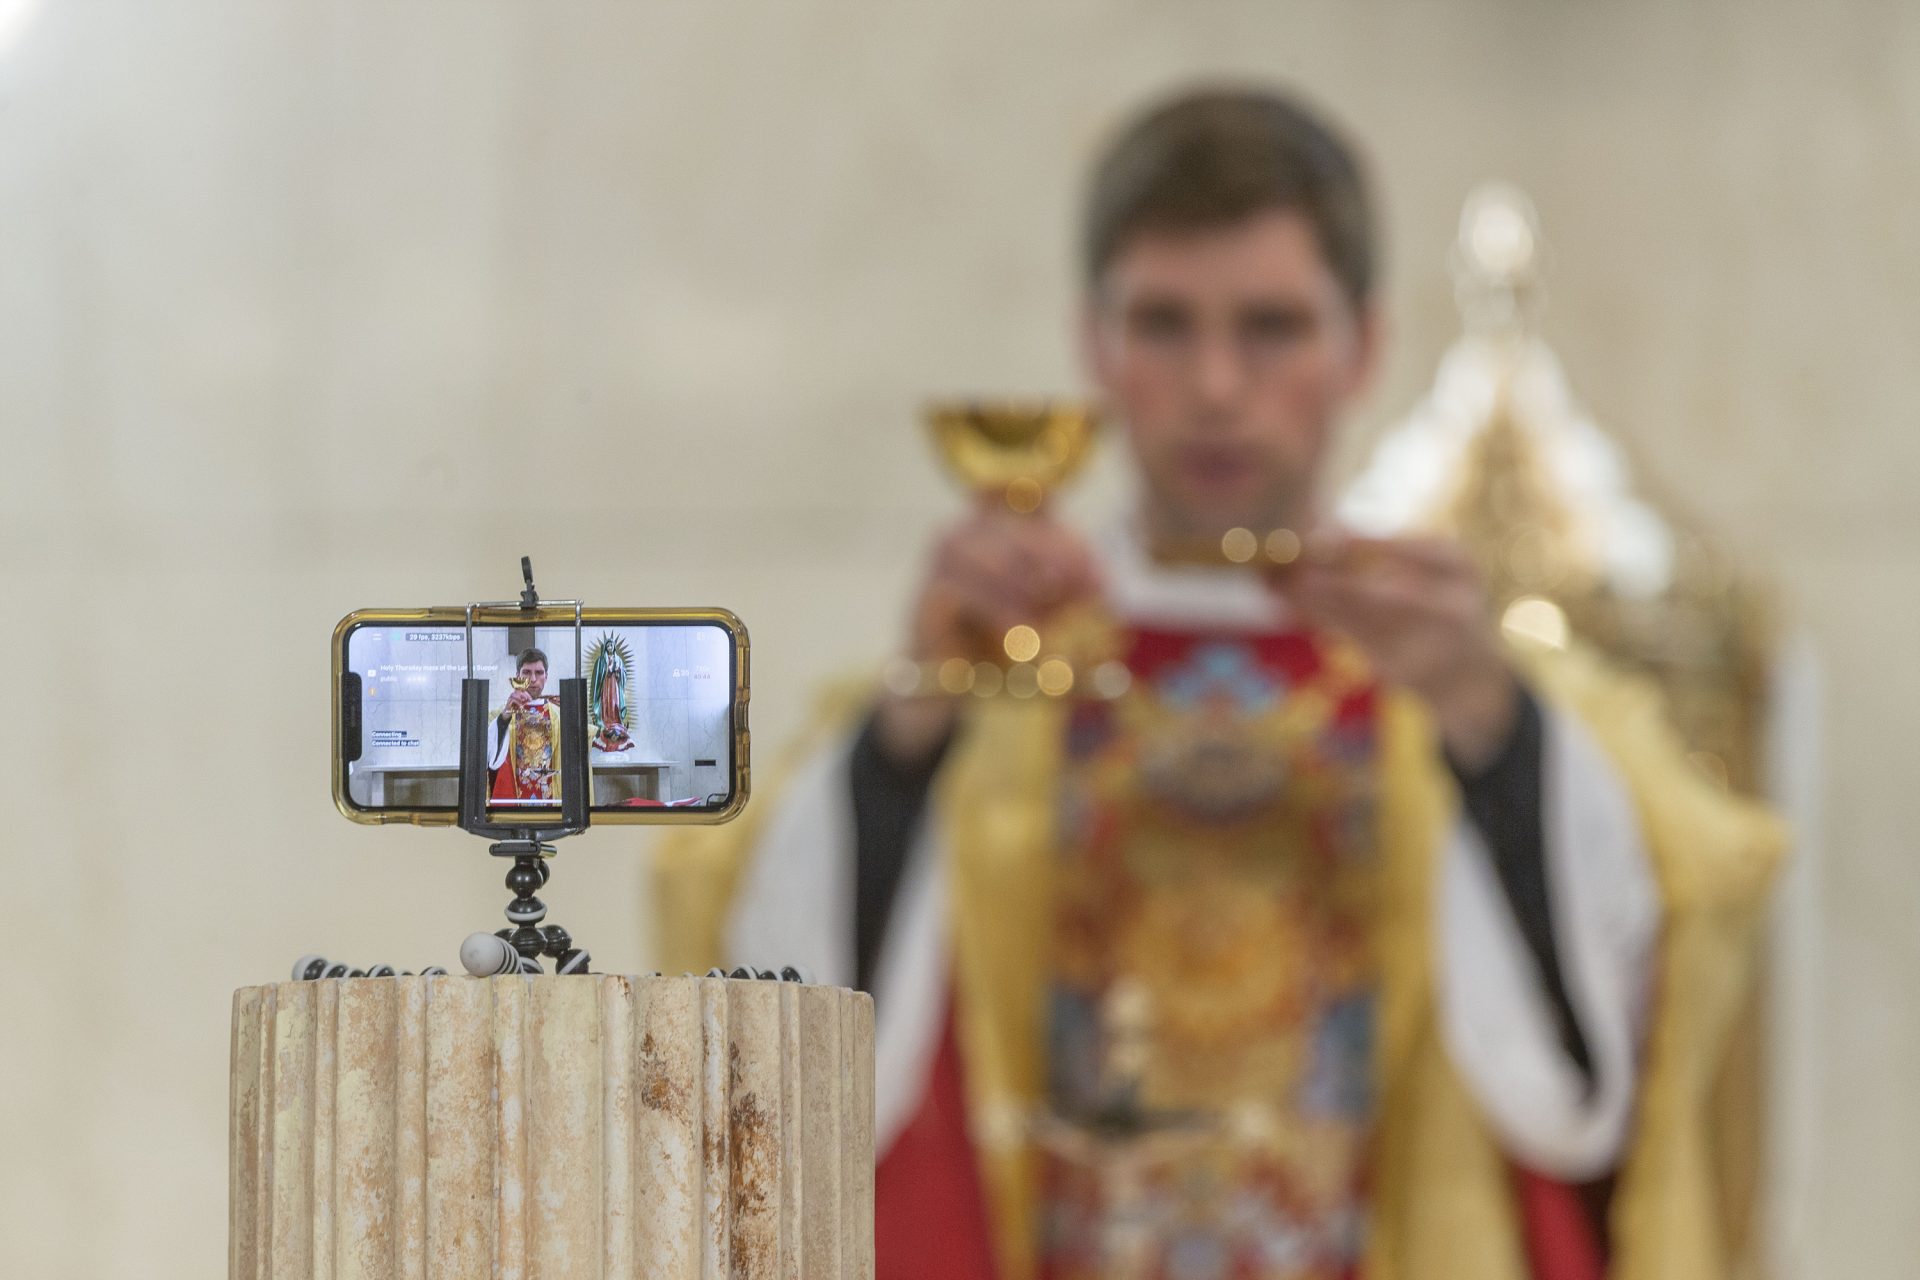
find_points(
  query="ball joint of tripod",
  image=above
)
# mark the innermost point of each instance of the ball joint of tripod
(526, 935)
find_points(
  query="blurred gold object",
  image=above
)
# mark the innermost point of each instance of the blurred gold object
(1112, 679)
(1022, 449)
(1023, 681)
(1535, 619)
(956, 676)
(1056, 677)
(988, 679)
(1275, 548)
(1022, 643)
(1282, 546)
(1501, 457)
(1053, 676)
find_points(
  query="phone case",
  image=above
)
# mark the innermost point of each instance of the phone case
(455, 617)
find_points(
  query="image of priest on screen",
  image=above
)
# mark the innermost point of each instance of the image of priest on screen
(523, 742)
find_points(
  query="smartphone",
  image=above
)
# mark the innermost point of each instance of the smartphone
(666, 712)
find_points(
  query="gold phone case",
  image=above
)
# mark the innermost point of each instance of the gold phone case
(455, 617)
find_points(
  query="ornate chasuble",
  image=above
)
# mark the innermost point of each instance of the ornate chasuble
(530, 770)
(1440, 1197)
(1210, 1001)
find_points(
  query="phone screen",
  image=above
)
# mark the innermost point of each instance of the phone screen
(661, 715)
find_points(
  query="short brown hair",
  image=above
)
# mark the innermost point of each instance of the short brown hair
(1215, 156)
(529, 655)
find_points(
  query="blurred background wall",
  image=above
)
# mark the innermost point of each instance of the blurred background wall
(312, 305)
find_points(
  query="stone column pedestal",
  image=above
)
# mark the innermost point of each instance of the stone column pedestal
(551, 1128)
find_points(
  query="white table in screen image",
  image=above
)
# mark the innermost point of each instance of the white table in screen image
(616, 777)
(411, 786)
(626, 775)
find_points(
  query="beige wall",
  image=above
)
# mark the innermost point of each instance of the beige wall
(307, 306)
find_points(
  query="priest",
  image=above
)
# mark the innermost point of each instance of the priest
(1349, 939)
(523, 738)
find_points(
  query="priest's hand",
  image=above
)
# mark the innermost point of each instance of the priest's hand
(990, 572)
(1418, 608)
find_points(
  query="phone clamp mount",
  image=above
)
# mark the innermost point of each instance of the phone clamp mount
(529, 844)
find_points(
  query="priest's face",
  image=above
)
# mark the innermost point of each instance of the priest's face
(1230, 354)
(535, 674)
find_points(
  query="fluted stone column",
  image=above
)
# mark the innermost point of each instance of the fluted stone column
(551, 1128)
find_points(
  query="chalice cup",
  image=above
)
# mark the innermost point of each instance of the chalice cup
(1019, 451)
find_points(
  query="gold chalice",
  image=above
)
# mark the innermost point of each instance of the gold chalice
(1020, 451)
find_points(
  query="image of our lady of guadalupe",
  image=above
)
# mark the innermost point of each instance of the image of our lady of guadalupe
(608, 689)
